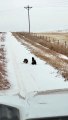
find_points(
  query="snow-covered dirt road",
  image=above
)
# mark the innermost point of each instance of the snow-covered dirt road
(26, 78)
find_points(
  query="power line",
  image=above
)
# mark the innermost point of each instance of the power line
(28, 8)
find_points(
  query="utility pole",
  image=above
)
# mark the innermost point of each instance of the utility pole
(28, 8)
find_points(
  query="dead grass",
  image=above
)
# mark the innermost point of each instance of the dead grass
(42, 49)
(51, 44)
(4, 84)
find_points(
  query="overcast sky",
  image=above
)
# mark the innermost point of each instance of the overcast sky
(46, 15)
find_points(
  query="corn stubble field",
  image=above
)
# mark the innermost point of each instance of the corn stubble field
(48, 46)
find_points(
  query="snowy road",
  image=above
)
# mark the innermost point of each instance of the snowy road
(28, 81)
(25, 78)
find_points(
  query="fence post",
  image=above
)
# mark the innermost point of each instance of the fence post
(65, 44)
(58, 42)
(46, 38)
(40, 36)
(49, 39)
(53, 40)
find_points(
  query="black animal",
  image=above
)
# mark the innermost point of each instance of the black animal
(25, 60)
(33, 61)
